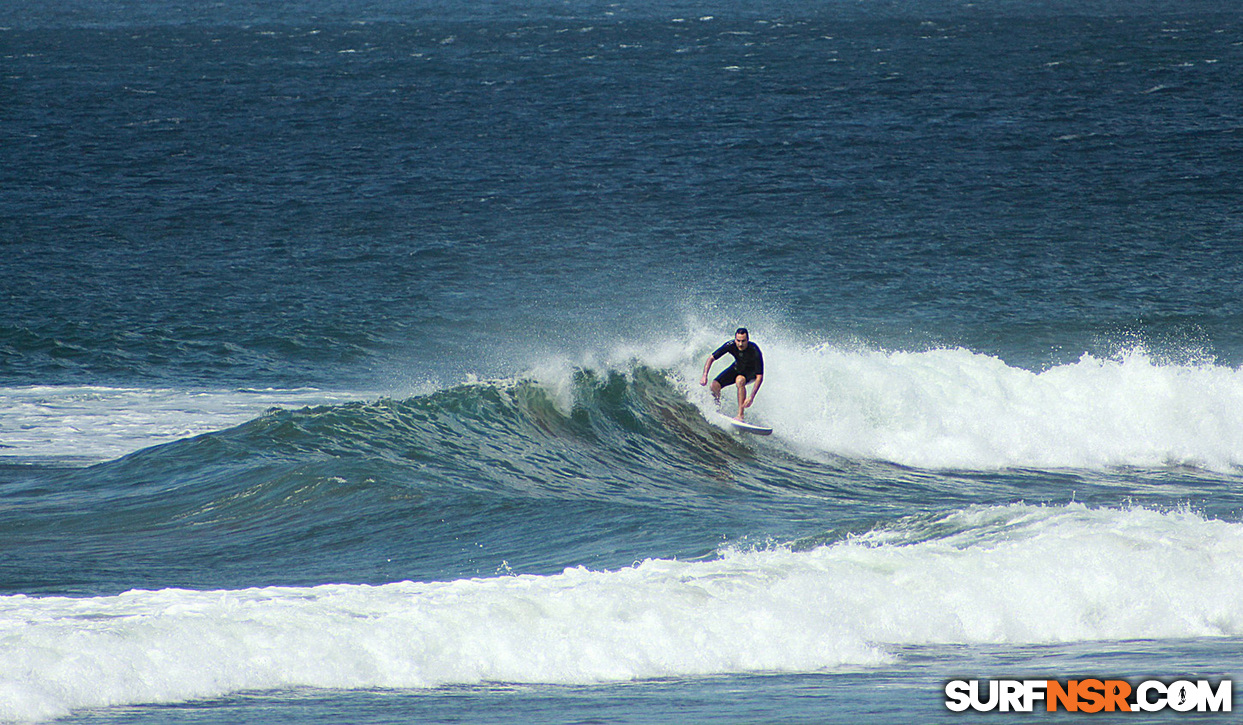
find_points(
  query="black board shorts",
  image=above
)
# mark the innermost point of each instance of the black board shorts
(727, 378)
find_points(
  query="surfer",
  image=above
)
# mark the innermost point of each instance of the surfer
(748, 367)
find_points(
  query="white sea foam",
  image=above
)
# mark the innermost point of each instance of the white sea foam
(1010, 575)
(92, 423)
(954, 408)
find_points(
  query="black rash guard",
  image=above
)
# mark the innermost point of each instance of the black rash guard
(748, 363)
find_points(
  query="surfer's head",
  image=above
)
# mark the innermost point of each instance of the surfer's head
(742, 337)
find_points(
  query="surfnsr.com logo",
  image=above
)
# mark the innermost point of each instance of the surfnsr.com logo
(1088, 695)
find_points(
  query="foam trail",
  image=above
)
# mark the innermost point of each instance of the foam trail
(1009, 575)
(93, 423)
(960, 409)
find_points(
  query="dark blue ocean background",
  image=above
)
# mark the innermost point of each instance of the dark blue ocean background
(349, 356)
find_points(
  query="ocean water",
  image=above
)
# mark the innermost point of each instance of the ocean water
(349, 357)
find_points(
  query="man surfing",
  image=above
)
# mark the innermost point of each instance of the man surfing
(748, 367)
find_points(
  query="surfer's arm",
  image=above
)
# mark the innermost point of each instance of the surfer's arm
(759, 380)
(707, 367)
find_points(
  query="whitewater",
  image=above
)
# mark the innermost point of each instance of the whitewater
(959, 409)
(1000, 575)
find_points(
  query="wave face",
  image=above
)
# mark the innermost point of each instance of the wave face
(1012, 574)
(594, 467)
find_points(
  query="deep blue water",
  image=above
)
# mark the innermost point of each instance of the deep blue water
(349, 357)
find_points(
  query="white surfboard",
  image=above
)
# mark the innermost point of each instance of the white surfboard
(746, 427)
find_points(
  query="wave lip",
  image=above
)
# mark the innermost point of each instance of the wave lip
(1008, 575)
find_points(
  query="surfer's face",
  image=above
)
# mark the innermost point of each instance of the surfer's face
(741, 339)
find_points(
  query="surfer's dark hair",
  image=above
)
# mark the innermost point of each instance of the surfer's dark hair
(742, 331)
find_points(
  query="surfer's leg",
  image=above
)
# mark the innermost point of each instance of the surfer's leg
(741, 382)
(724, 380)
